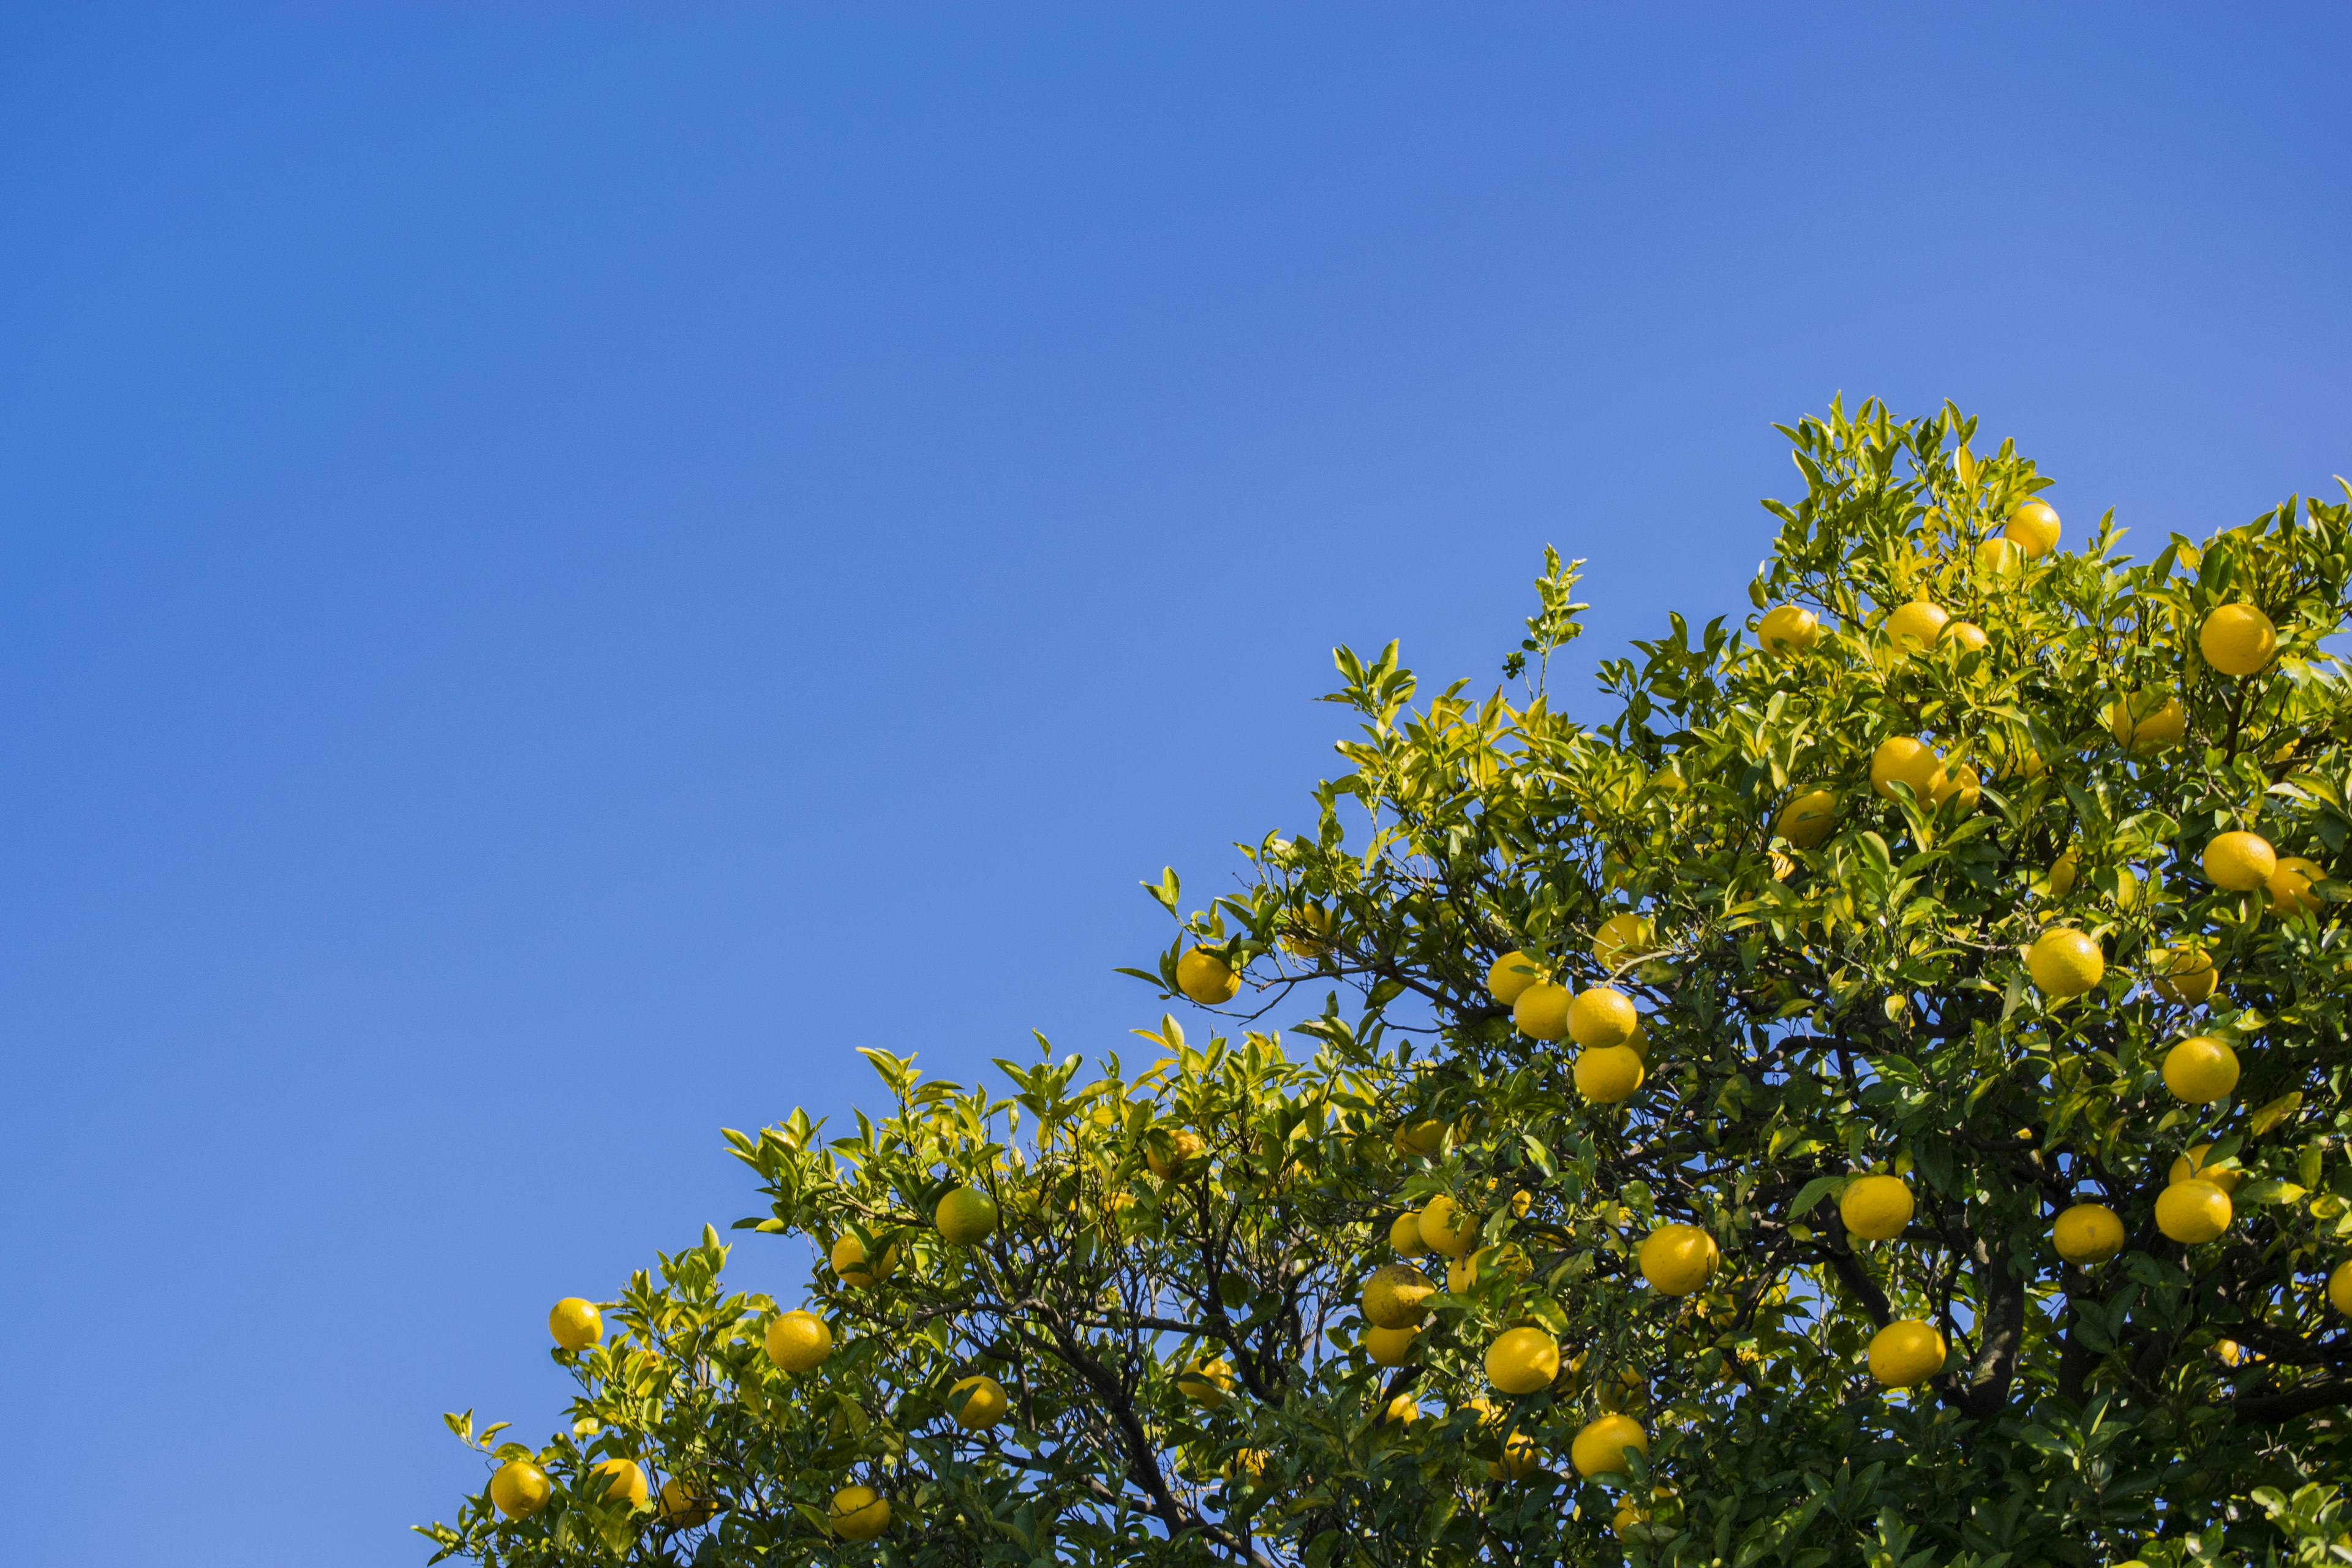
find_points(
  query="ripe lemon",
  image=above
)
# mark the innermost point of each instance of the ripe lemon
(1999, 557)
(1519, 1458)
(1404, 1235)
(1462, 1273)
(966, 1217)
(1638, 1042)
(1401, 1411)
(1676, 1259)
(1907, 1352)
(1599, 1447)
(575, 1323)
(2065, 962)
(848, 1259)
(799, 1341)
(628, 1483)
(682, 1506)
(2088, 1233)
(1395, 1295)
(519, 1488)
(1184, 1146)
(1206, 978)
(1608, 1074)
(2290, 886)
(2201, 1070)
(1956, 779)
(1601, 1016)
(1425, 1136)
(1446, 1227)
(1808, 819)
(1906, 759)
(1621, 936)
(978, 1402)
(1508, 976)
(2062, 874)
(2241, 862)
(1970, 636)
(2184, 973)
(1541, 1010)
(1876, 1208)
(1622, 1392)
(1206, 1382)
(2192, 1167)
(2192, 1212)
(2339, 1289)
(1390, 1347)
(1522, 1361)
(2237, 640)
(1788, 629)
(1317, 925)
(2148, 720)
(1916, 625)
(859, 1513)
(2033, 528)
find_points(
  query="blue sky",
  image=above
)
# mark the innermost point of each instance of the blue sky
(562, 567)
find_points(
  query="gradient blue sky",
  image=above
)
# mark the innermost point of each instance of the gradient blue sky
(561, 567)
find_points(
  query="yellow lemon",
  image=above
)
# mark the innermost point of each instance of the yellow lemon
(1904, 760)
(627, 1484)
(799, 1341)
(519, 1488)
(1446, 1227)
(1915, 624)
(682, 1506)
(2033, 528)
(575, 1323)
(1422, 1135)
(1638, 1042)
(966, 1217)
(848, 1259)
(2339, 1289)
(1907, 1352)
(1622, 1392)
(1599, 1447)
(2192, 1212)
(1876, 1208)
(2088, 1233)
(859, 1513)
(1608, 1074)
(1509, 976)
(2148, 721)
(1206, 978)
(1968, 636)
(1462, 1273)
(1999, 557)
(1206, 1382)
(1522, 1361)
(1401, 1411)
(2192, 1167)
(1808, 819)
(2062, 873)
(2237, 640)
(2065, 962)
(1519, 1458)
(1541, 1010)
(1956, 779)
(2241, 862)
(2201, 1070)
(1620, 936)
(1395, 1296)
(1404, 1235)
(2183, 973)
(2290, 886)
(1317, 927)
(1788, 629)
(1390, 1347)
(1601, 1016)
(978, 1402)
(1184, 1147)
(1677, 1259)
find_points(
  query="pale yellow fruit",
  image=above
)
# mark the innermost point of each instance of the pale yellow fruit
(1916, 625)
(1390, 1347)
(1907, 1352)
(966, 1217)
(2063, 962)
(575, 1323)
(2088, 1233)
(1396, 1295)
(1622, 1392)
(1541, 1012)
(2201, 1070)
(1677, 1259)
(2339, 1289)
(1522, 1361)
(2183, 973)
(2033, 528)
(1608, 1074)
(1599, 1447)
(1999, 557)
(2241, 862)
(849, 1261)
(1808, 819)
(1508, 976)
(2062, 873)
(1788, 629)
(2148, 721)
(1876, 1208)
(2192, 1212)
(1208, 1382)
(2290, 886)
(1206, 978)
(1620, 937)
(978, 1402)
(683, 1507)
(1401, 1411)
(2192, 1167)
(627, 1483)
(859, 1513)
(1448, 1227)
(799, 1341)
(1519, 1458)
(1184, 1147)
(2237, 640)
(1904, 759)
(519, 1488)
(1404, 1235)
(1601, 1016)
(1968, 636)
(1425, 1136)
(1639, 1041)
(1956, 779)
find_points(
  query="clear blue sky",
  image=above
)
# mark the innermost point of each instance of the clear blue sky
(562, 566)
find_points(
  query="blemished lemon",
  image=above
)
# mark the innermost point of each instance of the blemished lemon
(966, 1217)
(2339, 1289)
(1808, 819)
(1599, 1447)
(519, 1488)
(2064, 961)
(2238, 861)
(575, 1323)
(1396, 1295)
(683, 1506)
(2290, 886)
(1956, 779)
(978, 1402)
(799, 1341)
(627, 1484)
(2192, 1212)
(1208, 1382)
(849, 1261)
(1904, 759)
(1184, 1147)
(1907, 1352)
(1404, 1235)
(1522, 1361)
(1968, 636)
(859, 1513)
(1620, 937)
(1448, 1227)
(1916, 625)
(1677, 1259)
(1206, 978)
(1541, 1010)
(1999, 557)
(2201, 1070)
(2088, 1233)
(1462, 1273)
(2033, 528)
(2062, 873)
(2237, 640)
(1509, 976)
(2183, 973)
(1390, 1347)
(2148, 720)
(1876, 1208)
(1601, 1016)
(1608, 1074)
(2192, 1167)
(1788, 629)
(1423, 1135)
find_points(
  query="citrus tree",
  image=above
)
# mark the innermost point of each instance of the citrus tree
(1873, 1092)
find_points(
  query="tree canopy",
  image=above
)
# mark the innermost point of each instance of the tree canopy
(1873, 1092)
